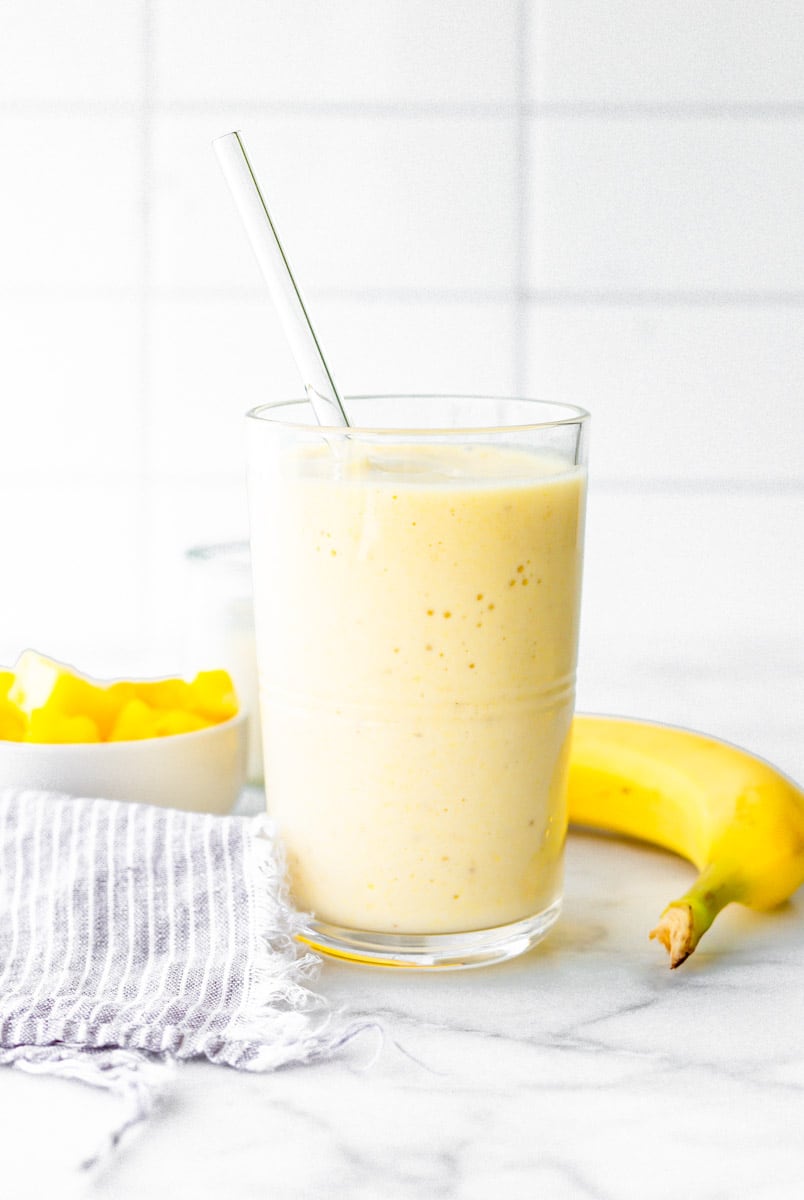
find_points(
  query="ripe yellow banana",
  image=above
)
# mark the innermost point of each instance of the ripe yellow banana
(735, 817)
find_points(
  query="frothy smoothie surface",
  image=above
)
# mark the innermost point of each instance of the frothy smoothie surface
(417, 631)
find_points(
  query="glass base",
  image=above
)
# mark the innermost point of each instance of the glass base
(440, 951)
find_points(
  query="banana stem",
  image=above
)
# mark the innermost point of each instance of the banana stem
(684, 922)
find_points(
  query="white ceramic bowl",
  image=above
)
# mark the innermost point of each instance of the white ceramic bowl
(202, 771)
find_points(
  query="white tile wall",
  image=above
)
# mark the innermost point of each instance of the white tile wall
(681, 391)
(210, 360)
(360, 201)
(178, 515)
(83, 52)
(72, 562)
(691, 596)
(599, 203)
(315, 52)
(666, 203)
(725, 52)
(72, 389)
(418, 344)
(72, 201)
(661, 566)
(213, 357)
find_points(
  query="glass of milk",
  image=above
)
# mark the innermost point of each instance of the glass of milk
(219, 628)
(416, 590)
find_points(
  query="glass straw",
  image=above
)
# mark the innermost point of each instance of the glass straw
(318, 382)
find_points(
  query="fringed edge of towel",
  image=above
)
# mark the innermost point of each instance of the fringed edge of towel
(282, 1021)
(306, 1028)
(139, 1079)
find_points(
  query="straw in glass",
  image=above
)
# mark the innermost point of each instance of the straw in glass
(318, 382)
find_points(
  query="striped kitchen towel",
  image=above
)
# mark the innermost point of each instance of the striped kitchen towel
(134, 936)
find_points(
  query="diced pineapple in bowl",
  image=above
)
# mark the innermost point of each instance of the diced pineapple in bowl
(173, 742)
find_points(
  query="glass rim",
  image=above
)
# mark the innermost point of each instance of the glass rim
(574, 416)
(218, 552)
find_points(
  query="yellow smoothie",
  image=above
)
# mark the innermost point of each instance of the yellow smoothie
(417, 631)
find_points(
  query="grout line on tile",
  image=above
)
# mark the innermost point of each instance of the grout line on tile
(410, 110)
(697, 486)
(521, 197)
(668, 297)
(69, 109)
(682, 111)
(145, 315)
(407, 110)
(548, 297)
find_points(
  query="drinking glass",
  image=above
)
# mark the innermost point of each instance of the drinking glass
(416, 584)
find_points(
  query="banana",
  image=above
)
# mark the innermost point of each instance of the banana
(735, 817)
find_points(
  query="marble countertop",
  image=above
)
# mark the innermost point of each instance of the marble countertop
(584, 1069)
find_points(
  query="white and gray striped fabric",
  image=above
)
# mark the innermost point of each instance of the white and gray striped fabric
(132, 936)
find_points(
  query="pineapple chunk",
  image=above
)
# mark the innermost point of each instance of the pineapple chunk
(164, 693)
(43, 683)
(43, 700)
(12, 722)
(177, 721)
(135, 720)
(140, 720)
(212, 695)
(48, 725)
